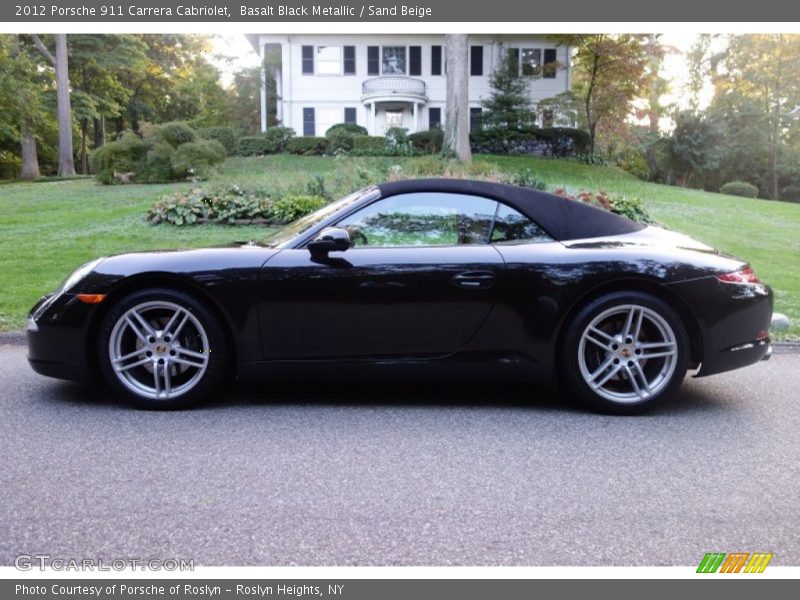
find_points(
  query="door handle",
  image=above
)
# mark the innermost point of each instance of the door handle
(474, 279)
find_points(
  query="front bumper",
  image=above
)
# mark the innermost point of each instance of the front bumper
(57, 334)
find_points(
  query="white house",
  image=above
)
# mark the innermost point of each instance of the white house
(382, 81)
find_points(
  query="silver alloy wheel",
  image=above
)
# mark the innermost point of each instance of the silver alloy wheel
(628, 353)
(158, 350)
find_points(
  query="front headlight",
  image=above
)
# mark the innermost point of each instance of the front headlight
(78, 274)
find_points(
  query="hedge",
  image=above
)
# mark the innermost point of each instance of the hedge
(307, 146)
(273, 140)
(369, 145)
(549, 141)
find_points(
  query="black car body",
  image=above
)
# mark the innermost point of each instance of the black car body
(466, 277)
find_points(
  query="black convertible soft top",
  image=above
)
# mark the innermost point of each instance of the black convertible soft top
(563, 219)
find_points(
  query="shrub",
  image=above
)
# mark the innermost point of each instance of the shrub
(174, 133)
(157, 166)
(631, 208)
(635, 163)
(350, 128)
(124, 156)
(291, 208)
(339, 140)
(527, 179)
(276, 138)
(307, 146)
(228, 206)
(197, 159)
(224, 135)
(739, 188)
(398, 142)
(369, 145)
(429, 142)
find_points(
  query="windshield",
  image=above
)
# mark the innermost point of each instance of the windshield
(303, 224)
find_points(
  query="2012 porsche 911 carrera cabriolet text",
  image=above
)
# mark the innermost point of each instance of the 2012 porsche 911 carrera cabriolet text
(426, 277)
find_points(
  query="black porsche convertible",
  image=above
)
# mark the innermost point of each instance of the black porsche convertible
(428, 278)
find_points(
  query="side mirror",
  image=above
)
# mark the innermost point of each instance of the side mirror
(330, 239)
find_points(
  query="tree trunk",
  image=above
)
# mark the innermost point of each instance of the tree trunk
(30, 162)
(84, 146)
(66, 163)
(456, 126)
(99, 127)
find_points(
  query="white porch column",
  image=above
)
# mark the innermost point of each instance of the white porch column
(374, 121)
(263, 48)
(279, 95)
(416, 117)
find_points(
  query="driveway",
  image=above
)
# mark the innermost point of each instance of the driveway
(402, 474)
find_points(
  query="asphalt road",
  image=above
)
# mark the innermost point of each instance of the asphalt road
(407, 475)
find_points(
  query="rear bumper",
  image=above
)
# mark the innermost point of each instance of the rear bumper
(734, 320)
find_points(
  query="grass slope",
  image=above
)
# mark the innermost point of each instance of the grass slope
(48, 228)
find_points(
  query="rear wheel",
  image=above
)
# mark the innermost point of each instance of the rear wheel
(161, 349)
(624, 353)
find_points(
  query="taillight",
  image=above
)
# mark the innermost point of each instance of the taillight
(745, 275)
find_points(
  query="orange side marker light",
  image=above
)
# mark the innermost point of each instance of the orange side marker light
(91, 298)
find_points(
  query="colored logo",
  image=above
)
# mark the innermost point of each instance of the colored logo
(734, 562)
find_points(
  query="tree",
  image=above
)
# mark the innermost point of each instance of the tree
(609, 72)
(456, 130)
(509, 105)
(60, 62)
(760, 71)
(22, 90)
(96, 62)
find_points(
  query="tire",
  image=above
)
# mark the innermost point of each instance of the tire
(624, 353)
(161, 349)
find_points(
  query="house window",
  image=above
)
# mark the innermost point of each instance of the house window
(329, 60)
(532, 62)
(415, 60)
(373, 60)
(436, 60)
(434, 118)
(476, 60)
(308, 60)
(547, 118)
(309, 127)
(349, 60)
(550, 64)
(475, 118)
(394, 60)
(350, 115)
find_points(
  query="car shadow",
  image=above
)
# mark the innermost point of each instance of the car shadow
(435, 394)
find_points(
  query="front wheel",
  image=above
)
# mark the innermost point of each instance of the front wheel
(161, 349)
(624, 353)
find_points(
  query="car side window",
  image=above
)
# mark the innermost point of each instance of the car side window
(422, 219)
(512, 227)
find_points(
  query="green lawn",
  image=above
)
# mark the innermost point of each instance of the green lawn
(48, 228)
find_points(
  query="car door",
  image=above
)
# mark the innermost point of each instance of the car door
(418, 281)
